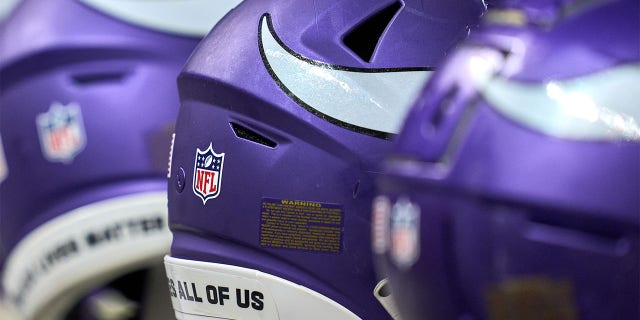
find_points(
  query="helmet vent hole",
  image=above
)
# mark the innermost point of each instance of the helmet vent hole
(583, 235)
(250, 135)
(444, 108)
(364, 38)
(98, 78)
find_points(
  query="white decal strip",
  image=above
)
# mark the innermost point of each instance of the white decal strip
(184, 17)
(218, 291)
(376, 100)
(600, 106)
(85, 244)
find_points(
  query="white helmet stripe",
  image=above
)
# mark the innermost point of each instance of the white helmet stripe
(373, 99)
(600, 106)
(184, 17)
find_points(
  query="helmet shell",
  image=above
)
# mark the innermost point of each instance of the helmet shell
(510, 193)
(87, 107)
(276, 147)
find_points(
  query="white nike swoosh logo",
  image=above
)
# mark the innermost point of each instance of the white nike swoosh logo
(599, 106)
(184, 17)
(368, 101)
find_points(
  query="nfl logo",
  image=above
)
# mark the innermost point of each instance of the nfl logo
(61, 132)
(405, 233)
(207, 174)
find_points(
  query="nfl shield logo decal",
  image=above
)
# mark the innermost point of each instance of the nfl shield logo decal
(405, 233)
(207, 174)
(61, 132)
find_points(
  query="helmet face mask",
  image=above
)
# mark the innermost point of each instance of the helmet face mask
(298, 110)
(521, 174)
(87, 106)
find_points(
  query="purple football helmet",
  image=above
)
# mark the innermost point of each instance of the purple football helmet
(513, 190)
(287, 108)
(88, 99)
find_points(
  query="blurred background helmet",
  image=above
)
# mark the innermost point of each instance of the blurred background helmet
(286, 110)
(512, 192)
(88, 99)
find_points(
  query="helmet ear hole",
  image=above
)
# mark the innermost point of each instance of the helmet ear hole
(364, 38)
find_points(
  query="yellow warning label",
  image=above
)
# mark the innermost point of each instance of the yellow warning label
(302, 225)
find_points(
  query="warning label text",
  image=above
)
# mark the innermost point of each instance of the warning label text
(302, 225)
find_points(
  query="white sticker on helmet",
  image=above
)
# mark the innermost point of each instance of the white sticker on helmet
(84, 246)
(173, 141)
(202, 290)
(184, 17)
(600, 106)
(370, 99)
